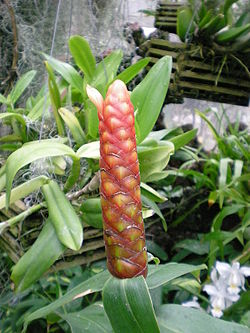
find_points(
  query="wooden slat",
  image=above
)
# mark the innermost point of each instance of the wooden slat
(213, 89)
(169, 25)
(165, 44)
(171, 4)
(167, 13)
(212, 78)
(166, 19)
(161, 53)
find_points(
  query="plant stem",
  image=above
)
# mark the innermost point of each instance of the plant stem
(20, 217)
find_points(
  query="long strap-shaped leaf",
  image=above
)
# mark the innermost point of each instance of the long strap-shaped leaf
(63, 216)
(36, 261)
(129, 307)
(29, 153)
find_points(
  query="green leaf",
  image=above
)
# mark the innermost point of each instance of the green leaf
(21, 85)
(92, 212)
(32, 265)
(89, 150)
(106, 71)
(92, 120)
(55, 99)
(67, 72)
(151, 193)
(151, 204)
(129, 73)
(153, 158)
(132, 311)
(175, 318)
(162, 274)
(16, 116)
(41, 107)
(31, 152)
(193, 246)
(82, 55)
(183, 139)
(91, 319)
(210, 125)
(156, 250)
(23, 190)
(149, 95)
(185, 23)
(3, 100)
(63, 216)
(73, 124)
(92, 285)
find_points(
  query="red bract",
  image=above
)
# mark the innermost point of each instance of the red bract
(124, 233)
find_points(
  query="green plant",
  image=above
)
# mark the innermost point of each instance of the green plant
(63, 200)
(216, 29)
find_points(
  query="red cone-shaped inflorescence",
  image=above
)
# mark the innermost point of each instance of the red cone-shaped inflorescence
(124, 233)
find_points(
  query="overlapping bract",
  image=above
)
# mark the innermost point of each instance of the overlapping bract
(120, 183)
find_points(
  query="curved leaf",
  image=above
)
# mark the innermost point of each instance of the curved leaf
(82, 55)
(31, 152)
(162, 274)
(73, 124)
(175, 318)
(67, 71)
(149, 95)
(32, 265)
(67, 224)
(23, 190)
(129, 73)
(132, 310)
(92, 285)
(21, 85)
(106, 71)
(91, 319)
(89, 150)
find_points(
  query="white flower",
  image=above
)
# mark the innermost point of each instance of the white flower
(192, 304)
(234, 275)
(220, 298)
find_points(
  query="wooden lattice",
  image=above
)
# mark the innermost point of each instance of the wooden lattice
(201, 74)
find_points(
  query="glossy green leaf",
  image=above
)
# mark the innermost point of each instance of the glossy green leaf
(73, 124)
(156, 250)
(151, 193)
(92, 285)
(82, 55)
(67, 72)
(92, 212)
(21, 85)
(23, 190)
(32, 264)
(162, 274)
(106, 71)
(151, 204)
(149, 95)
(183, 139)
(31, 152)
(92, 319)
(89, 150)
(185, 23)
(175, 318)
(194, 246)
(132, 311)
(129, 73)
(91, 119)
(154, 157)
(3, 100)
(67, 224)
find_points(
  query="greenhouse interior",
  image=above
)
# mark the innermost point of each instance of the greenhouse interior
(124, 166)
